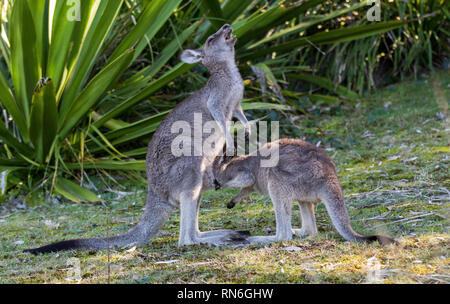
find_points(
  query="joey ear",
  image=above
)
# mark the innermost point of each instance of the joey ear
(191, 56)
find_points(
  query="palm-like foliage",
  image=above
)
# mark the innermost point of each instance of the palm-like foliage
(364, 64)
(67, 87)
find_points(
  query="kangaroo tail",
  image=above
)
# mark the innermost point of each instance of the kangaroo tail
(335, 204)
(155, 215)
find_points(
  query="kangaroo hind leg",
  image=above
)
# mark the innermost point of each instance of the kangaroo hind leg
(309, 227)
(190, 200)
(283, 210)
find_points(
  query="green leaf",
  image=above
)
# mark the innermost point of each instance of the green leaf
(153, 17)
(9, 103)
(258, 24)
(144, 75)
(137, 152)
(12, 163)
(304, 25)
(106, 141)
(39, 12)
(263, 106)
(138, 127)
(334, 36)
(93, 91)
(233, 9)
(25, 69)
(44, 120)
(112, 124)
(153, 87)
(256, 20)
(4, 182)
(136, 165)
(215, 15)
(326, 84)
(74, 192)
(271, 80)
(9, 139)
(61, 40)
(89, 49)
(327, 99)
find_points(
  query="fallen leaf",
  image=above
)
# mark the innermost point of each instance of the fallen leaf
(409, 159)
(200, 263)
(51, 225)
(132, 249)
(166, 262)
(292, 248)
(393, 157)
(367, 134)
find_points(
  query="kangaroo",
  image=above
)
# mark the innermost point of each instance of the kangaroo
(304, 173)
(180, 180)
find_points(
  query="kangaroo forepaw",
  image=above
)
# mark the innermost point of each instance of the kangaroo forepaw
(230, 150)
(217, 185)
(247, 135)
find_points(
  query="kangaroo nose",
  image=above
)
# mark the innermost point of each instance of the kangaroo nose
(226, 27)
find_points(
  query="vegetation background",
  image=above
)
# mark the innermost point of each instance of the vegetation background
(84, 84)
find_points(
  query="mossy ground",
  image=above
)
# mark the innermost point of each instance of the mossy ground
(392, 151)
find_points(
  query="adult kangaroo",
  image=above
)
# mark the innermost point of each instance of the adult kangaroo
(179, 180)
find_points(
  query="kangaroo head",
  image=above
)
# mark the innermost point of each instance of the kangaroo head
(218, 49)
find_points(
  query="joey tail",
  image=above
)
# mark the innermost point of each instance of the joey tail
(155, 215)
(335, 205)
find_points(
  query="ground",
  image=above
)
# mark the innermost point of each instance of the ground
(392, 153)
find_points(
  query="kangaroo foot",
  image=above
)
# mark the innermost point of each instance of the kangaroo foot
(261, 239)
(302, 232)
(226, 233)
(223, 237)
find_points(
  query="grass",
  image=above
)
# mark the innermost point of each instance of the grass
(392, 151)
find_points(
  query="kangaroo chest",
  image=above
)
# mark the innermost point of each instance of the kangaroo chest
(232, 99)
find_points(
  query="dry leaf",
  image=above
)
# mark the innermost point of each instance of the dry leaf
(292, 248)
(166, 262)
(51, 225)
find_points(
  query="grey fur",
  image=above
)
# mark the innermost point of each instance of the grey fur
(305, 174)
(179, 181)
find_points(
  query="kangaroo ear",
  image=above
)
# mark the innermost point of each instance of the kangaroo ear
(191, 56)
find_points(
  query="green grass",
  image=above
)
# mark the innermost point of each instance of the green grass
(393, 159)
